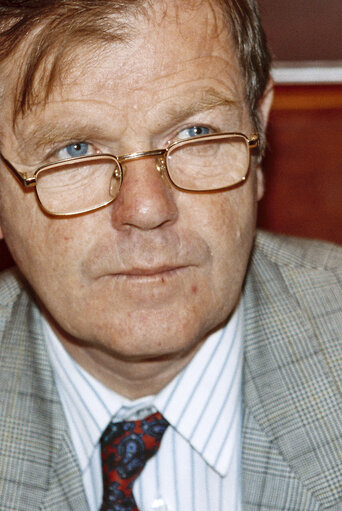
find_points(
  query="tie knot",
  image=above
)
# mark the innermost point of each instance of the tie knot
(125, 448)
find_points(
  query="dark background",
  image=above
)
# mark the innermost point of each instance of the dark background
(303, 29)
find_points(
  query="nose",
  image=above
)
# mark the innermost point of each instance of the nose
(145, 200)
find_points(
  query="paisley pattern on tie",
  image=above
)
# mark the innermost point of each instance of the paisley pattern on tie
(125, 448)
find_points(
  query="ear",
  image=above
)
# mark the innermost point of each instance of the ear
(264, 112)
(265, 103)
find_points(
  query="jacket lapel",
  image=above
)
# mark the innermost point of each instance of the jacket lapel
(38, 468)
(65, 490)
(292, 451)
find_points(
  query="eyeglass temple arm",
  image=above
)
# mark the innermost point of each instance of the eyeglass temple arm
(26, 182)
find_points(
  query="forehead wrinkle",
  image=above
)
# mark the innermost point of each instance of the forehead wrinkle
(53, 132)
(41, 125)
(208, 100)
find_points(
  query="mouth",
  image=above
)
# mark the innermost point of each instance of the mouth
(146, 273)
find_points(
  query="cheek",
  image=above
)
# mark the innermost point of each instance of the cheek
(35, 240)
(17, 213)
(226, 221)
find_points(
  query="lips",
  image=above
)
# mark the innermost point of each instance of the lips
(146, 272)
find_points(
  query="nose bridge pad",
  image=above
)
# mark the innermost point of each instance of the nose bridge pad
(115, 182)
(161, 168)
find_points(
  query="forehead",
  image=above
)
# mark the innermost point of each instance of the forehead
(172, 44)
(167, 42)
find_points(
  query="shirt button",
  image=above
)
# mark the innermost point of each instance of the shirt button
(159, 505)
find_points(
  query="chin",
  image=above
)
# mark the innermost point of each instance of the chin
(151, 336)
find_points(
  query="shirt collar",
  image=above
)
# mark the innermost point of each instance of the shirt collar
(202, 403)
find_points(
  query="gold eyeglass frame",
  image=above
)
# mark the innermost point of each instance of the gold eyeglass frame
(31, 181)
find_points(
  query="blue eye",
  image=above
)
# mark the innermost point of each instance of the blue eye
(73, 150)
(194, 131)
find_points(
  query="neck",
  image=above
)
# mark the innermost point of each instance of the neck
(129, 378)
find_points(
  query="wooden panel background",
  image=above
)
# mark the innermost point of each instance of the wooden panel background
(303, 167)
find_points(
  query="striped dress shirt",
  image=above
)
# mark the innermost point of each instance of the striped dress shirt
(197, 467)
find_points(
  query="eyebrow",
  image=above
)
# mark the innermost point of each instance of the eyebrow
(209, 99)
(49, 133)
(76, 130)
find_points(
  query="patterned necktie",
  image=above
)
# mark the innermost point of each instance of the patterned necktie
(125, 448)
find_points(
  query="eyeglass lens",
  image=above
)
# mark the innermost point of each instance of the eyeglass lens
(197, 165)
(209, 164)
(78, 186)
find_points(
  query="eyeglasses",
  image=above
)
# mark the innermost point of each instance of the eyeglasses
(205, 163)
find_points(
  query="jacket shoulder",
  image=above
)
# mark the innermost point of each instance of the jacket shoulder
(11, 286)
(292, 370)
(38, 467)
(14, 296)
(298, 252)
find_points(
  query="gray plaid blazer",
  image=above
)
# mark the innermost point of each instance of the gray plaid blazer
(292, 428)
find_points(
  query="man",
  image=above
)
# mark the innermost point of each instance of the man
(131, 135)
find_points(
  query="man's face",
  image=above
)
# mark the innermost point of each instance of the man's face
(154, 272)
